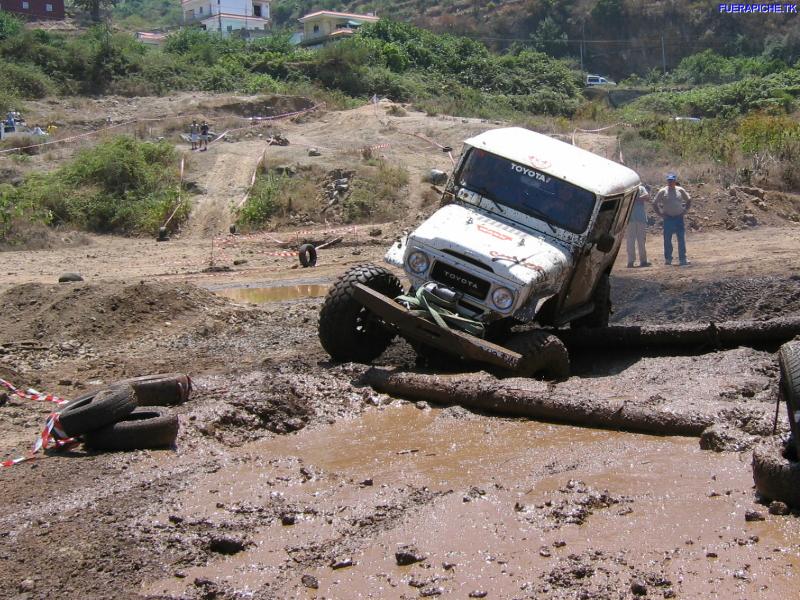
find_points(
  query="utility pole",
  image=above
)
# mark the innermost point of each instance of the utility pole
(583, 35)
(663, 56)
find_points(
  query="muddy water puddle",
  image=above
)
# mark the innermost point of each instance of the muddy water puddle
(283, 293)
(493, 517)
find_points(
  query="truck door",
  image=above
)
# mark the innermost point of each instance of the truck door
(612, 216)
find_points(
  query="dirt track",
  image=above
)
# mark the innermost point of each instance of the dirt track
(287, 465)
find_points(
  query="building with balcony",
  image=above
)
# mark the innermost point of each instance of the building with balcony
(239, 17)
(324, 26)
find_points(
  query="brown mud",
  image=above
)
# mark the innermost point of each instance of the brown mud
(291, 478)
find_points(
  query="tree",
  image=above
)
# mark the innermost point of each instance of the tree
(94, 7)
(549, 38)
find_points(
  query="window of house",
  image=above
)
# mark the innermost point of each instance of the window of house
(48, 7)
(25, 5)
(256, 10)
(316, 27)
(230, 28)
(201, 10)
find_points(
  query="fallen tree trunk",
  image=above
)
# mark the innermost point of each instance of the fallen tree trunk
(726, 334)
(551, 402)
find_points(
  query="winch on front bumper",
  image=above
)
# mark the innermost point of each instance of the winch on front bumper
(418, 329)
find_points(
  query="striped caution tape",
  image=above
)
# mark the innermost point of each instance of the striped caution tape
(52, 431)
(31, 394)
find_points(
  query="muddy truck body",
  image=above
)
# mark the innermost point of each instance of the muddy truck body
(527, 233)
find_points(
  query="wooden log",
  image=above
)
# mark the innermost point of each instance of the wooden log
(554, 402)
(725, 334)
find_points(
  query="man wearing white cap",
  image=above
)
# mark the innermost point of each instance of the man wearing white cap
(672, 203)
(637, 229)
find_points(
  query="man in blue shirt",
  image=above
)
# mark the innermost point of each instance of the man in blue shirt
(637, 229)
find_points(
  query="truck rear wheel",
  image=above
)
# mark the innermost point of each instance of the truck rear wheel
(789, 361)
(602, 306)
(347, 330)
(542, 354)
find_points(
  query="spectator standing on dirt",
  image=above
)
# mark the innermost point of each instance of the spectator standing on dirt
(672, 203)
(203, 136)
(637, 229)
(194, 134)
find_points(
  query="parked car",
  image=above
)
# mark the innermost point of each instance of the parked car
(597, 80)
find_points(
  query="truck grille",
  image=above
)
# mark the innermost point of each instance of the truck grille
(460, 280)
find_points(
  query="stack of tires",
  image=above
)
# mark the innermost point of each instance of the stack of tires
(776, 462)
(128, 415)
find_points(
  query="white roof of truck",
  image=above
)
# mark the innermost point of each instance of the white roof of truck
(578, 166)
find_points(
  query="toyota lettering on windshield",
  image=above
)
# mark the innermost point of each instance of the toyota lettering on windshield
(526, 190)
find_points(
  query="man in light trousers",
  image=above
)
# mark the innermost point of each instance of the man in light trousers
(672, 203)
(637, 229)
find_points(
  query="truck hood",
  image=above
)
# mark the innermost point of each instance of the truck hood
(510, 252)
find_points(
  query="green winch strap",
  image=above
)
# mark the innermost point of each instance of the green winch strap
(425, 304)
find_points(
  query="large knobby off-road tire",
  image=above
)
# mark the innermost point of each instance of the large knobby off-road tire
(602, 306)
(789, 361)
(776, 476)
(97, 409)
(142, 429)
(543, 354)
(348, 331)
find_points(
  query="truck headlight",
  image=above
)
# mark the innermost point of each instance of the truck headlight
(418, 262)
(503, 298)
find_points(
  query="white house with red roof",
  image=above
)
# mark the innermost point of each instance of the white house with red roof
(227, 16)
(326, 25)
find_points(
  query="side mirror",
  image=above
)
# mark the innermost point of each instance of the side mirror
(605, 242)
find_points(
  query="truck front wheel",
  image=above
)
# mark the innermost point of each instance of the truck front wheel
(347, 330)
(542, 353)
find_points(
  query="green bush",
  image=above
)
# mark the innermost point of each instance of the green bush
(264, 201)
(25, 80)
(121, 185)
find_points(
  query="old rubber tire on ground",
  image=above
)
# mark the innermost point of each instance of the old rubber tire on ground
(139, 430)
(97, 409)
(166, 389)
(542, 353)
(602, 306)
(308, 255)
(347, 330)
(789, 361)
(776, 477)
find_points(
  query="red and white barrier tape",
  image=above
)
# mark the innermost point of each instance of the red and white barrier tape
(162, 118)
(32, 394)
(52, 431)
(577, 129)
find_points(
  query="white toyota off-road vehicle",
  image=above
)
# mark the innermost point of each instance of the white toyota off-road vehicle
(528, 232)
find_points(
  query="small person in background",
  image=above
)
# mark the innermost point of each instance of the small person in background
(637, 229)
(194, 134)
(51, 129)
(38, 131)
(672, 203)
(203, 136)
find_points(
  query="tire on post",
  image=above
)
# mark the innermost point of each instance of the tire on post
(347, 330)
(602, 306)
(542, 353)
(144, 428)
(97, 409)
(308, 255)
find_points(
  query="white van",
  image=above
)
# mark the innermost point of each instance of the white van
(597, 80)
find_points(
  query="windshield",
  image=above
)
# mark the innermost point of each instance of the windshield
(526, 190)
